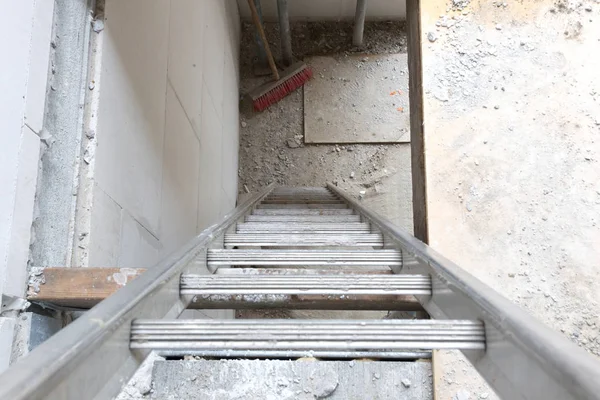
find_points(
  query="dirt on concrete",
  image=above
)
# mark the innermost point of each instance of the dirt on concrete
(272, 148)
(512, 119)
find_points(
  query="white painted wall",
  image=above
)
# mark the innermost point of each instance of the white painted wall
(316, 10)
(167, 130)
(25, 27)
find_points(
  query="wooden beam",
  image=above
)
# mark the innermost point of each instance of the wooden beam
(78, 287)
(417, 130)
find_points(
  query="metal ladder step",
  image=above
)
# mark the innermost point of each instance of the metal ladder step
(303, 218)
(302, 197)
(300, 190)
(303, 211)
(302, 201)
(314, 227)
(239, 290)
(304, 240)
(331, 285)
(304, 271)
(329, 258)
(343, 300)
(303, 205)
(281, 336)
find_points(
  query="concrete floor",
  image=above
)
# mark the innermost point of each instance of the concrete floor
(272, 145)
(512, 119)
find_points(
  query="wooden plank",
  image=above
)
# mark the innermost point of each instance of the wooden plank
(417, 130)
(78, 287)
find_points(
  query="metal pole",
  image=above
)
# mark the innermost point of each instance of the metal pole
(263, 36)
(359, 22)
(284, 32)
(261, 54)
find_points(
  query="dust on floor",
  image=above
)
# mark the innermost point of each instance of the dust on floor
(272, 145)
(512, 121)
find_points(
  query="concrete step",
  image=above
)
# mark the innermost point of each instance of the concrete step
(292, 380)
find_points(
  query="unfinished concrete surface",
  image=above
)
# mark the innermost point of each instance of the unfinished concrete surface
(357, 99)
(52, 241)
(511, 124)
(304, 379)
(272, 145)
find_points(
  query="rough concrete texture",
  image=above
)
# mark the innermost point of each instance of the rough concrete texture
(7, 326)
(272, 142)
(31, 330)
(366, 99)
(140, 384)
(511, 123)
(302, 379)
(61, 137)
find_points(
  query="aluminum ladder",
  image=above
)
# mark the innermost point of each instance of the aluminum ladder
(312, 248)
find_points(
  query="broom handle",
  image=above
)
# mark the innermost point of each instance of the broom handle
(261, 32)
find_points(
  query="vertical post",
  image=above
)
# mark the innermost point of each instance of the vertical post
(417, 134)
(261, 54)
(284, 32)
(359, 22)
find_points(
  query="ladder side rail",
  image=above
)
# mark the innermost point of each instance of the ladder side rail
(91, 358)
(524, 359)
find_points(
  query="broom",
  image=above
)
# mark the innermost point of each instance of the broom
(291, 79)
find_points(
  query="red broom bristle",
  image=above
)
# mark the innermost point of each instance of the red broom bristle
(283, 89)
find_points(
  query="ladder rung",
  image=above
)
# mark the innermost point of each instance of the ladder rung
(303, 218)
(307, 239)
(303, 211)
(304, 271)
(332, 291)
(318, 335)
(303, 205)
(329, 258)
(301, 201)
(350, 285)
(395, 355)
(312, 227)
(302, 197)
(300, 190)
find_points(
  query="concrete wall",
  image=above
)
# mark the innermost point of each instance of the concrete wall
(25, 27)
(314, 10)
(166, 130)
